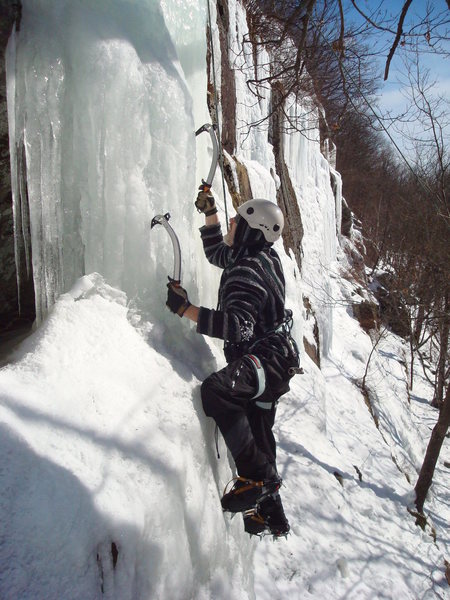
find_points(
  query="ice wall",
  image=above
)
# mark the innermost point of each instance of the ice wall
(310, 174)
(105, 112)
(105, 98)
(309, 170)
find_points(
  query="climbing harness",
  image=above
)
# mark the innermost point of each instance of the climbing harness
(284, 328)
(164, 221)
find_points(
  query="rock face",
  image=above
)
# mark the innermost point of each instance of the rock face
(241, 190)
(312, 348)
(393, 310)
(8, 290)
(10, 12)
(228, 99)
(367, 314)
(286, 198)
(347, 219)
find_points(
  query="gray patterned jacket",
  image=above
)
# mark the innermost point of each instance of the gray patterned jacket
(251, 294)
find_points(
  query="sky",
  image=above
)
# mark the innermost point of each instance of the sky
(392, 92)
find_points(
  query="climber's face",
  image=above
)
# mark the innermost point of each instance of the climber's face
(229, 237)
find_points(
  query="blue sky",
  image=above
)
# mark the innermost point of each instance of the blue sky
(392, 8)
(391, 97)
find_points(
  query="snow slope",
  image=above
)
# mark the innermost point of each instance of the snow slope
(104, 442)
(109, 474)
(352, 535)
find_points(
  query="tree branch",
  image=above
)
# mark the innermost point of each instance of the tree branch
(397, 37)
(370, 21)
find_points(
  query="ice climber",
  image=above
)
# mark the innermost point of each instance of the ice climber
(261, 355)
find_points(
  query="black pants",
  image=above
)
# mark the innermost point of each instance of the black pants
(228, 397)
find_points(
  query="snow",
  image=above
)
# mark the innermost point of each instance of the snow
(109, 447)
(110, 479)
(353, 538)
(104, 441)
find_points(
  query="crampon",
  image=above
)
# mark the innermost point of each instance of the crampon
(247, 493)
(267, 518)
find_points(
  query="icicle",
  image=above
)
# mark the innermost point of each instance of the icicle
(21, 217)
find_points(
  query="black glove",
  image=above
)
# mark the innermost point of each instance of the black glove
(205, 203)
(177, 298)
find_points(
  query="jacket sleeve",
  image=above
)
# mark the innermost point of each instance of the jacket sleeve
(216, 251)
(242, 298)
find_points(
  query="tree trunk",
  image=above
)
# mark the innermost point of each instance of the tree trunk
(432, 454)
(412, 348)
(443, 353)
(419, 323)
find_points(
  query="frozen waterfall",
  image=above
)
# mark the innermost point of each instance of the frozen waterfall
(104, 100)
(103, 107)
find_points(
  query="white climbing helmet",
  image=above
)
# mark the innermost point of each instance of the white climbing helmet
(264, 215)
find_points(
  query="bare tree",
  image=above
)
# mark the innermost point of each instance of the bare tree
(339, 46)
(426, 28)
(432, 454)
(433, 172)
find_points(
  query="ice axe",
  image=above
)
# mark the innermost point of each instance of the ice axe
(211, 129)
(206, 186)
(164, 221)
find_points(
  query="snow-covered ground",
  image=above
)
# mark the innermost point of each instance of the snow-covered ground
(105, 448)
(103, 442)
(346, 498)
(108, 468)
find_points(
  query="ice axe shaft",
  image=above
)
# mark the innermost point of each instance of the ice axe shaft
(164, 221)
(211, 129)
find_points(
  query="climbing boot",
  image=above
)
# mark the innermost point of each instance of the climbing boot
(246, 493)
(271, 510)
(267, 518)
